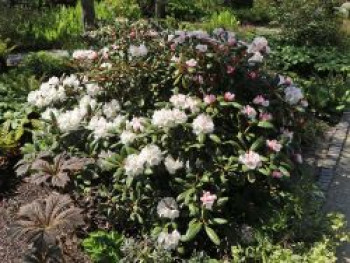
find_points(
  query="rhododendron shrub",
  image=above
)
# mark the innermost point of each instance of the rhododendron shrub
(192, 138)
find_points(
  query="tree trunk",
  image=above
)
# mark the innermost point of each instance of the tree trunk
(88, 14)
(160, 8)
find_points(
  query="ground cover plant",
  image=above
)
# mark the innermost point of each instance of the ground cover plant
(190, 148)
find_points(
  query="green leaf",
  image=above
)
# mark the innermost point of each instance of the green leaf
(201, 138)
(257, 144)
(212, 235)
(220, 221)
(266, 124)
(215, 138)
(251, 178)
(192, 231)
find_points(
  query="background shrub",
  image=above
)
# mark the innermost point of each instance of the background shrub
(309, 22)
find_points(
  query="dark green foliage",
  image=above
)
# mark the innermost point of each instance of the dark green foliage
(308, 61)
(309, 23)
(184, 10)
(262, 12)
(44, 64)
(14, 88)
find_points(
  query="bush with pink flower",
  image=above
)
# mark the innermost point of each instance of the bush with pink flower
(192, 138)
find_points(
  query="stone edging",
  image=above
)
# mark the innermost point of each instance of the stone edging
(327, 165)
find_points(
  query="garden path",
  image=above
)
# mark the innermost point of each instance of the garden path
(338, 195)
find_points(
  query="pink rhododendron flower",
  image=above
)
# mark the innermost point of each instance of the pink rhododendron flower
(202, 48)
(209, 99)
(264, 116)
(274, 145)
(277, 174)
(85, 54)
(252, 75)
(285, 80)
(230, 69)
(191, 63)
(260, 100)
(304, 103)
(208, 200)
(250, 159)
(173, 46)
(228, 96)
(199, 79)
(132, 34)
(249, 111)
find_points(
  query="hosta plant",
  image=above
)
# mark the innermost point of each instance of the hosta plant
(193, 137)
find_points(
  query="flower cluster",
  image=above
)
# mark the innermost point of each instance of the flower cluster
(48, 93)
(149, 156)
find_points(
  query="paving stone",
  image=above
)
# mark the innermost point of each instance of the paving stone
(338, 188)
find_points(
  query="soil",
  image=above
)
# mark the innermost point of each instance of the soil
(12, 196)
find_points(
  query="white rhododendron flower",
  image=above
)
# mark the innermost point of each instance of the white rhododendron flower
(87, 102)
(191, 63)
(203, 124)
(70, 120)
(169, 241)
(250, 159)
(93, 89)
(163, 118)
(71, 81)
(202, 48)
(256, 58)
(47, 94)
(137, 124)
(110, 109)
(208, 200)
(106, 65)
(151, 155)
(168, 208)
(260, 100)
(293, 95)
(85, 54)
(274, 145)
(179, 101)
(133, 165)
(127, 137)
(166, 118)
(259, 44)
(54, 81)
(184, 102)
(172, 165)
(46, 115)
(138, 51)
(100, 127)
